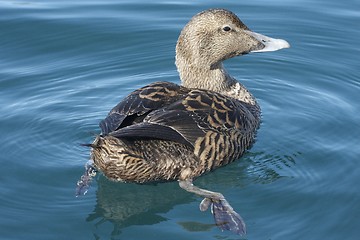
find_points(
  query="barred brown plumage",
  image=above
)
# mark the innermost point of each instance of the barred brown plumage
(164, 131)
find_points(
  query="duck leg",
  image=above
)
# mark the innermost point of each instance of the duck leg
(225, 216)
(83, 184)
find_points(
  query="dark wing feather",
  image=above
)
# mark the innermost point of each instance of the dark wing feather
(111, 122)
(219, 112)
(168, 111)
(136, 105)
(176, 117)
(201, 111)
(149, 130)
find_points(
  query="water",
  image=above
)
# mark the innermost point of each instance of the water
(64, 64)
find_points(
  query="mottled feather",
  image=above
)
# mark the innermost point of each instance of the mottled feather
(138, 104)
(217, 127)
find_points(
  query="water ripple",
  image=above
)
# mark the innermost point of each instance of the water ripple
(65, 64)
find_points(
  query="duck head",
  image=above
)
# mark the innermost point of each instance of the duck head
(213, 36)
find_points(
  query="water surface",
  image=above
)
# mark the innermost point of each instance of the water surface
(65, 64)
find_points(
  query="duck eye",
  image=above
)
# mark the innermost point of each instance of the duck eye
(226, 28)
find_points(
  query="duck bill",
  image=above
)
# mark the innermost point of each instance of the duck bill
(268, 44)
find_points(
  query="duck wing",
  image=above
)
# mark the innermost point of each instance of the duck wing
(191, 116)
(133, 108)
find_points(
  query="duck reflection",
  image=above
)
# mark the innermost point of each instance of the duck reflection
(252, 168)
(130, 204)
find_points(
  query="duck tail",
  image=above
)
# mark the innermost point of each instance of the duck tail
(96, 144)
(91, 145)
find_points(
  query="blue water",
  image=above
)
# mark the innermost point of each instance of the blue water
(65, 64)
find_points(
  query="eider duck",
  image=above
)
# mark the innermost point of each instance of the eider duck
(169, 132)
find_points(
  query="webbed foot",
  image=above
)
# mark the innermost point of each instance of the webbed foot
(83, 184)
(225, 216)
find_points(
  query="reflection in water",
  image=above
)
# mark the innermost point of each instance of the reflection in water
(134, 204)
(128, 204)
(253, 167)
(196, 226)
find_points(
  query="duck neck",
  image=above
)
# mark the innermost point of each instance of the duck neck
(215, 79)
